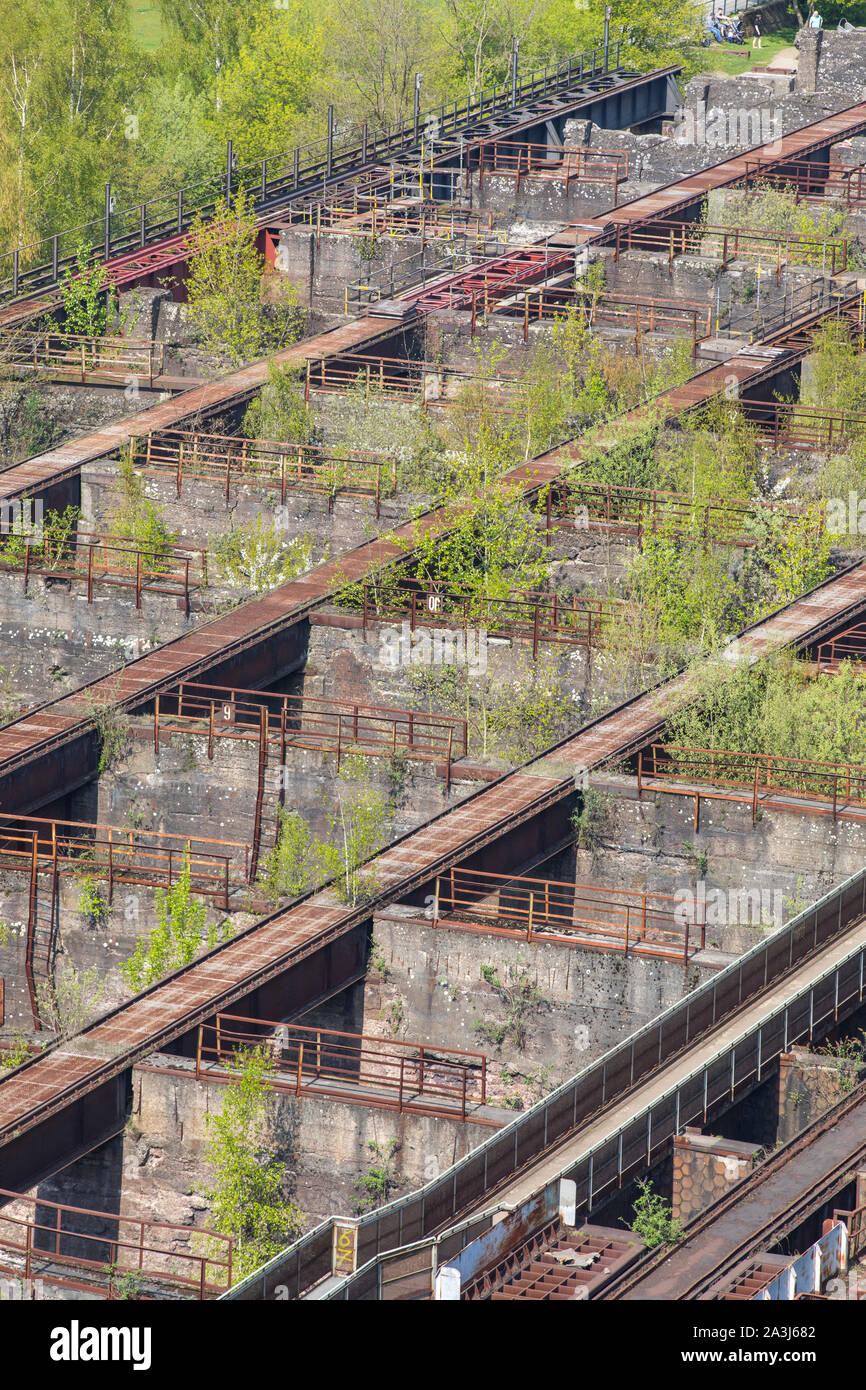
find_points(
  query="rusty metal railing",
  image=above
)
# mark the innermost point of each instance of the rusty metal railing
(398, 1075)
(849, 645)
(76, 357)
(773, 249)
(563, 164)
(639, 314)
(809, 182)
(233, 461)
(643, 511)
(575, 620)
(573, 914)
(89, 558)
(804, 426)
(302, 721)
(119, 855)
(42, 1242)
(840, 788)
(856, 1223)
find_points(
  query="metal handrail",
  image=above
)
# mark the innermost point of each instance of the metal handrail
(272, 175)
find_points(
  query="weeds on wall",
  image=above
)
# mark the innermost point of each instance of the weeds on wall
(71, 1000)
(377, 1185)
(279, 411)
(257, 556)
(92, 903)
(112, 728)
(521, 1000)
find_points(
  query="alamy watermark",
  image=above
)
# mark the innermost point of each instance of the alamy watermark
(732, 127)
(441, 646)
(22, 518)
(845, 515)
(738, 907)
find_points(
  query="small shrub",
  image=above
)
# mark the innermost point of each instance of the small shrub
(375, 1187)
(652, 1217)
(92, 902)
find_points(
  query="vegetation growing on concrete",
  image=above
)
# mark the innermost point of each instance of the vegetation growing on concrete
(112, 729)
(85, 292)
(521, 1001)
(359, 818)
(378, 1183)
(248, 1193)
(258, 556)
(766, 207)
(291, 867)
(279, 411)
(181, 932)
(135, 517)
(778, 706)
(92, 902)
(225, 288)
(71, 1000)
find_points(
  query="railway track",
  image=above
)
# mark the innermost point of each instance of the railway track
(679, 1274)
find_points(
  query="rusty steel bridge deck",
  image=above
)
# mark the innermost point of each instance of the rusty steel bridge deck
(167, 1010)
(673, 199)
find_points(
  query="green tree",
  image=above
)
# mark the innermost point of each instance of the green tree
(206, 35)
(270, 92)
(279, 411)
(67, 72)
(247, 1195)
(135, 517)
(358, 817)
(224, 288)
(85, 296)
(291, 867)
(180, 934)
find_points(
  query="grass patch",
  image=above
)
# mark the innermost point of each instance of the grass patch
(724, 58)
(148, 28)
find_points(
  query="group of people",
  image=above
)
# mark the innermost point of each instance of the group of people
(725, 28)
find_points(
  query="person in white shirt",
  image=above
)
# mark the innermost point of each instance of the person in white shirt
(815, 20)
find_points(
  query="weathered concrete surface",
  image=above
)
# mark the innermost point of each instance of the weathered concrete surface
(52, 640)
(651, 844)
(809, 1084)
(201, 515)
(324, 1143)
(434, 987)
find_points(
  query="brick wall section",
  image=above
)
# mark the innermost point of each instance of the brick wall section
(704, 1169)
